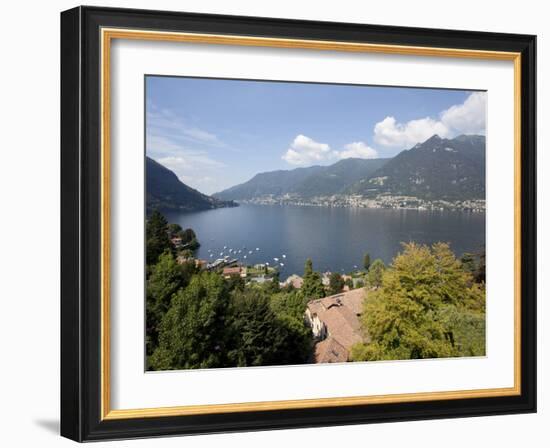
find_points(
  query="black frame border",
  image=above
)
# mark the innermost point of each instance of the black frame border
(81, 223)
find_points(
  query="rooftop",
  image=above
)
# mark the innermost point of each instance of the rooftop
(340, 314)
(330, 350)
(236, 270)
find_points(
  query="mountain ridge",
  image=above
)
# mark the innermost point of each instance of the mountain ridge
(165, 192)
(436, 169)
(304, 182)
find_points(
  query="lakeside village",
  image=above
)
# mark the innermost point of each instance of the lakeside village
(225, 313)
(386, 201)
(334, 320)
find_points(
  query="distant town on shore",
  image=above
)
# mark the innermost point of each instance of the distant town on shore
(381, 201)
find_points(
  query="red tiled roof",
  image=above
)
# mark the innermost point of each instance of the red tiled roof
(340, 314)
(295, 280)
(330, 350)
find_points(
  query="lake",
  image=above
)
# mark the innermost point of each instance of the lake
(335, 238)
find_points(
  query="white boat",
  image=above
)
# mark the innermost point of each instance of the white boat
(284, 256)
(276, 259)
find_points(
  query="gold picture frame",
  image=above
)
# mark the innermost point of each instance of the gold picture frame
(106, 33)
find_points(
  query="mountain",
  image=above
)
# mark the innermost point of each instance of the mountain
(278, 182)
(337, 178)
(166, 192)
(305, 182)
(450, 169)
(437, 169)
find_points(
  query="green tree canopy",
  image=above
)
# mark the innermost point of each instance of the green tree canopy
(290, 303)
(192, 333)
(336, 283)
(272, 286)
(475, 264)
(308, 267)
(349, 283)
(366, 261)
(413, 314)
(157, 240)
(312, 287)
(165, 279)
(376, 270)
(259, 336)
(174, 230)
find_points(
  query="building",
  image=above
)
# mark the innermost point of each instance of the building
(295, 280)
(234, 271)
(201, 264)
(177, 242)
(259, 279)
(335, 324)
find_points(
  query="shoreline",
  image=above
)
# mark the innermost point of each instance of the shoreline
(432, 206)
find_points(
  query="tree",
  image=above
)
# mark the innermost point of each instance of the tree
(165, 279)
(468, 330)
(259, 336)
(273, 287)
(308, 267)
(235, 282)
(349, 283)
(188, 235)
(292, 304)
(468, 262)
(189, 239)
(479, 274)
(421, 309)
(192, 333)
(157, 240)
(475, 264)
(366, 261)
(186, 253)
(174, 230)
(376, 270)
(312, 287)
(336, 283)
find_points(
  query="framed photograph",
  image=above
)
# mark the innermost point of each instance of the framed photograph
(273, 223)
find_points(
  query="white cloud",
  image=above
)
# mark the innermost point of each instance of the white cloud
(358, 150)
(389, 132)
(465, 118)
(468, 117)
(306, 151)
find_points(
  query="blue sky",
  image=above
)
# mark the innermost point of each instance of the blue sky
(218, 133)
